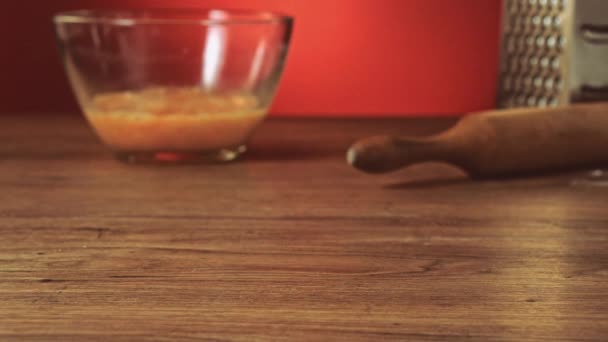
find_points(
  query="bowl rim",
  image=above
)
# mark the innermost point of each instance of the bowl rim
(129, 17)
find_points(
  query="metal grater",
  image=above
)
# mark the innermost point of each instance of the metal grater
(553, 52)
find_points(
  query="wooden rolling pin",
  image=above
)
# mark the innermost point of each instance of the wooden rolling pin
(499, 143)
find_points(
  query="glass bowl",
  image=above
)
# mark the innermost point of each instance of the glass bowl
(174, 84)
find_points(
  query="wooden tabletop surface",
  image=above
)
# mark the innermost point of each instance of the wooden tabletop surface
(290, 244)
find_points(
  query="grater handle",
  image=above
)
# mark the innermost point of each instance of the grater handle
(596, 34)
(592, 94)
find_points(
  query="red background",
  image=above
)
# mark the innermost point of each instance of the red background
(349, 57)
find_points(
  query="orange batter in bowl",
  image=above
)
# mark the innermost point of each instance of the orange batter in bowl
(173, 119)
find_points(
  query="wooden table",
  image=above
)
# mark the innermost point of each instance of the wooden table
(289, 244)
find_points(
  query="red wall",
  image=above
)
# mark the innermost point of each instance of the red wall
(358, 57)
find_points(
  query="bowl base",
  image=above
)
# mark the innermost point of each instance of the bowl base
(181, 157)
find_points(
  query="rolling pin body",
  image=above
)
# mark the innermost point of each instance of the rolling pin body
(497, 143)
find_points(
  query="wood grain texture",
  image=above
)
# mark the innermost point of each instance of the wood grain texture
(289, 244)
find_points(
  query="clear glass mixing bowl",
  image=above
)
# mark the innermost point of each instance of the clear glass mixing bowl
(175, 84)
